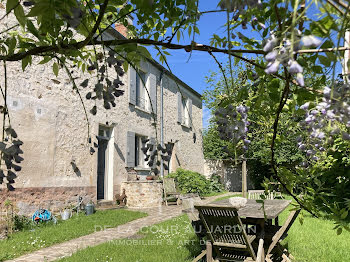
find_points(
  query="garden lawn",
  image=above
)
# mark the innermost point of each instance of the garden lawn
(46, 235)
(313, 241)
(176, 243)
(316, 241)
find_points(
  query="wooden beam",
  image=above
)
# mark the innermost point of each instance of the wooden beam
(244, 178)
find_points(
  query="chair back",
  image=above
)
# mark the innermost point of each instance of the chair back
(225, 230)
(169, 185)
(256, 194)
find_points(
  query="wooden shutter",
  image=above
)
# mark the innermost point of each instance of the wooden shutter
(153, 92)
(179, 108)
(132, 85)
(130, 149)
(189, 105)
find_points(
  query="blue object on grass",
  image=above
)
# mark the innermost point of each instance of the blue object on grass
(43, 215)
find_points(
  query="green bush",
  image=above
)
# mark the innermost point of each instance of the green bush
(193, 182)
(21, 223)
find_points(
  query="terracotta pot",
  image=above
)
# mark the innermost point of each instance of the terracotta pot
(149, 177)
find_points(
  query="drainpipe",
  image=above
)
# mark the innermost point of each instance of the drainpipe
(161, 122)
(346, 57)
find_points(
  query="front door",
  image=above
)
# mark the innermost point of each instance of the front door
(101, 168)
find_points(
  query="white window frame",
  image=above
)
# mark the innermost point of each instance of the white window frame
(139, 155)
(142, 92)
(185, 114)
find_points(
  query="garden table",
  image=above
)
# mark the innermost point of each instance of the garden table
(253, 212)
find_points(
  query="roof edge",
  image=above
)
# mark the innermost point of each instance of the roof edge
(115, 33)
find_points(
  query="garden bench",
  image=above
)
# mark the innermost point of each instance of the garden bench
(170, 191)
(256, 194)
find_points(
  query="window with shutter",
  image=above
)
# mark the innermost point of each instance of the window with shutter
(189, 106)
(130, 152)
(153, 93)
(132, 86)
(179, 107)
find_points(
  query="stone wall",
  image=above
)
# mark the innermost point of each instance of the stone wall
(28, 200)
(143, 194)
(229, 172)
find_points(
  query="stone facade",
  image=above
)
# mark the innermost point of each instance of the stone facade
(144, 194)
(49, 118)
(230, 174)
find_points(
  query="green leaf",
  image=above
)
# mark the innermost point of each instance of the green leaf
(31, 28)
(344, 214)
(26, 61)
(21, 17)
(196, 29)
(55, 69)
(45, 60)
(11, 45)
(339, 231)
(324, 60)
(178, 35)
(10, 5)
(189, 31)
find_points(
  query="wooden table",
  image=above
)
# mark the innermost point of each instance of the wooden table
(253, 212)
(254, 209)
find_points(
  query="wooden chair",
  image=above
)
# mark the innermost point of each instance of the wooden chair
(256, 194)
(279, 235)
(227, 236)
(170, 191)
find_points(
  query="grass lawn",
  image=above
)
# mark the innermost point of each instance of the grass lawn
(314, 241)
(229, 196)
(43, 236)
(169, 241)
(215, 194)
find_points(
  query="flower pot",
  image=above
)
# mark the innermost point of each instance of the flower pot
(149, 177)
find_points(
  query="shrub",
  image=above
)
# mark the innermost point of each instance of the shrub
(193, 182)
(21, 223)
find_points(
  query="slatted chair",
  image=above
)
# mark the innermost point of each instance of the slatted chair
(227, 236)
(170, 191)
(256, 194)
(279, 235)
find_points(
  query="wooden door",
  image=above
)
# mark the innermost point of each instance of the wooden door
(101, 168)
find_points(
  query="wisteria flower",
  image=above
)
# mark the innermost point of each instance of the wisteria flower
(311, 41)
(300, 79)
(272, 67)
(295, 68)
(271, 56)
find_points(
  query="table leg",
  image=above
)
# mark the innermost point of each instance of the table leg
(276, 221)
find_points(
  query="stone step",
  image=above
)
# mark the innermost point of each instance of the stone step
(105, 204)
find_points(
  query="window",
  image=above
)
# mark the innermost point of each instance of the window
(141, 93)
(139, 155)
(185, 116)
(184, 110)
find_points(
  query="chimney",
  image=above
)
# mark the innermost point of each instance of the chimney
(122, 29)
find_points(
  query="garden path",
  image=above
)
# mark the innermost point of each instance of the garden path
(155, 215)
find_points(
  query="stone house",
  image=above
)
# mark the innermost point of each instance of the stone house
(48, 117)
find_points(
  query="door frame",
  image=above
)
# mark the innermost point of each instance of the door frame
(109, 163)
